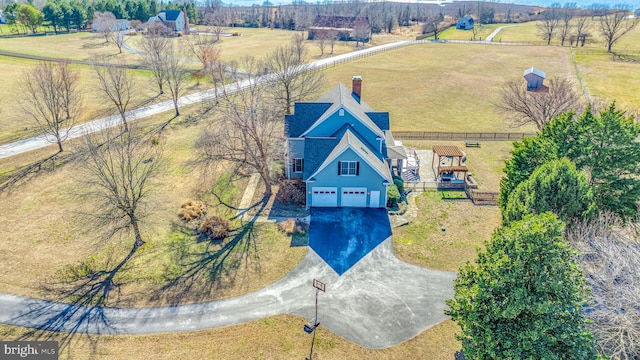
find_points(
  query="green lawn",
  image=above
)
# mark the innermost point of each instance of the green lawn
(446, 234)
(456, 34)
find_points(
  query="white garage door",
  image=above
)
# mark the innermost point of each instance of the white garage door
(324, 197)
(354, 197)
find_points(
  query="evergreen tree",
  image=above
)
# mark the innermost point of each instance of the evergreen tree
(555, 186)
(522, 299)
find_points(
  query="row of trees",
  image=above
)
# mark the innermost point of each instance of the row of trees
(569, 24)
(53, 96)
(77, 14)
(529, 293)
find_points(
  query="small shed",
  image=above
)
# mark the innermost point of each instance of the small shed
(535, 78)
(465, 23)
(449, 164)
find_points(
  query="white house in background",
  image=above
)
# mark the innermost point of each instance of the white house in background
(175, 20)
(535, 78)
(2, 19)
(115, 25)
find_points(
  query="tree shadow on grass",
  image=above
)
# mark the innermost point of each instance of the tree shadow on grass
(198, 273)
(82, 296)
(31, 171)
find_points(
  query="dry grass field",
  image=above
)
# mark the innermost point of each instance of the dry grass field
(14, 125)
(51, 197)
(447, 87)
(277, 337)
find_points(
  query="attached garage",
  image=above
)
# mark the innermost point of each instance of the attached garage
(353, 197)
(324, 197)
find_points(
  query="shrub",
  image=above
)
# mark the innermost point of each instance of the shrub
(400, 184)
(292, 191)
(215, 227)
(393, 195)
(191, 210)
(291, 226)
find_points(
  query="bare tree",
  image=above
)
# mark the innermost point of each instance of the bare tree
(321, 39)
(293, 79)
(615, 25)
(475, 30)
(154, 46)
(333, 36)
(610, 258)
(116, 84)
(566, 14)
(548, 24)
(104, 23)
(541, 106)
(52, 98)
(175, 73)
(203, 48)
(117, 37)
(361, 31)
(433, 25)
(582, 29)
(249, 132)
(119, 174)
(217, 21)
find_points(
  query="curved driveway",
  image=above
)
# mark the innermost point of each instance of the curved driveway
(378, 303)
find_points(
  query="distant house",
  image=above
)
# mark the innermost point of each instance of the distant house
(342, 149)
(2, 19)
(465, 23)
(176, 20)
(114, 25)
(344, 28)
(535, 78)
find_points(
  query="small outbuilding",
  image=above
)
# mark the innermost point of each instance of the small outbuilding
(465, 23)
(535, 78)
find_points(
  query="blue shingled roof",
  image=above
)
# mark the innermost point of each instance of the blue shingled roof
(316, 151)
(171, 15)
(340, 133)
(304, 115)
(380, 118)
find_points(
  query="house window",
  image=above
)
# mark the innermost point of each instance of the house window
(298, 165)
(348, 168)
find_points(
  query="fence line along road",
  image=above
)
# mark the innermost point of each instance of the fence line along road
(41, 141)
(436, 135)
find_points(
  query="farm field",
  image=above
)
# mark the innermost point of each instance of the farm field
(447, 87)
(435, 87)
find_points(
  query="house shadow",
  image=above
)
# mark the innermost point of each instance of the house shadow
(82, 295)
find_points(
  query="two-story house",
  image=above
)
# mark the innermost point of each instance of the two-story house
(342, 149)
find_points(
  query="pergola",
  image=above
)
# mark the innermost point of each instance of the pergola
(453, 163)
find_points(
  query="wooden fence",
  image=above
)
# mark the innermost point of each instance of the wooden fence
(483, 197)
(435, 135)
